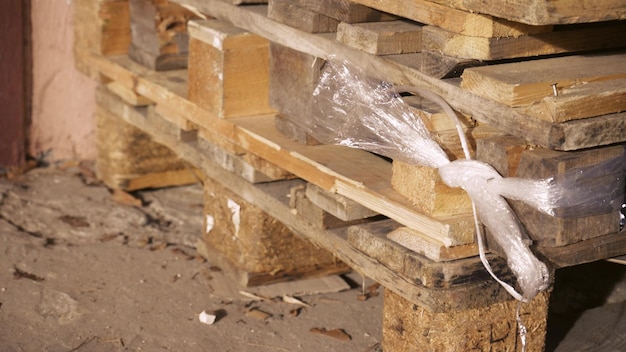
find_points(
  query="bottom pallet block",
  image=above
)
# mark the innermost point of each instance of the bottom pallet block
(409, 327)
(129, 159)
(259, 247)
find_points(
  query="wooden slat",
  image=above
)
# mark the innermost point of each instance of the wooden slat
(458, 21)
(542, 12)
(382, 38)
(524, 83)
(568, 40)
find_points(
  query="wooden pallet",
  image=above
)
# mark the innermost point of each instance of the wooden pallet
(443, 279)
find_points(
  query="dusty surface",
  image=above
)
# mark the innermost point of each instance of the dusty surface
(82, 272)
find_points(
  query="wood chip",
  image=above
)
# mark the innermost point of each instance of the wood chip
(253, 296)
(293, 300)
(125, 198)
(258, 314)
(21, 274)
(74, 221)
(338, 334)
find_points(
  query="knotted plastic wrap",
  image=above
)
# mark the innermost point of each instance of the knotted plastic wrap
(358, 111)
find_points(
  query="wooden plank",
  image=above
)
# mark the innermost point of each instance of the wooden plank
(458, 21)
(589, 99)
(292, 131)
(317, 216)
(561, 136)
(296, 16)
(432, 250)
(382, 38)
(346, 11)
(570, 40)
(228, 69)
(371, 239)
(441, 66)
(337, 205)
(129, 96)
(541, 12)
(586, 251)
(409, 327)
(528, 82)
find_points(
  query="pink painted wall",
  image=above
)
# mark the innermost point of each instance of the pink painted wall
(63, 105)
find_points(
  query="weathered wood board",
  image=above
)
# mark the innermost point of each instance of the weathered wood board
(542, 12)
(371, 239)
(337, 205)
(297, 16)
(382, 38)
(458, 21)
(527, 82)
(567, 40)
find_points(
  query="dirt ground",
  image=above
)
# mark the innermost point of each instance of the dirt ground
(83, 269)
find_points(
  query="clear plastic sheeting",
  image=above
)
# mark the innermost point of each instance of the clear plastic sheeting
(355, 110)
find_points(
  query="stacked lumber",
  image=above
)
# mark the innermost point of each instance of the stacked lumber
(532, 99)
(159, 34)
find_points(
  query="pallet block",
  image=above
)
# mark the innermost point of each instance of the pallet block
(512, 157)
(130, 159)
(262, 249)
(159, 38)
(410, 327)
(293, 78)
(228, 69)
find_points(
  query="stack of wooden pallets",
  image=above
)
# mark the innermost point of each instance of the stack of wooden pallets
(538, 87)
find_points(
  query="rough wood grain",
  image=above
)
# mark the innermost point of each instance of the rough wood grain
(371, 239)
(337, 205)
(257, 243)
(432, 250)
(228, 69)
(459, 21)
(102, 26)
(382, 38)
(528, 82)
(409, 327)
(568, 40)
(297, 16)
(541, 12)
(130, 159)
(345, 11)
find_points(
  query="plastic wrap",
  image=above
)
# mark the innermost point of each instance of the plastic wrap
(353, 110)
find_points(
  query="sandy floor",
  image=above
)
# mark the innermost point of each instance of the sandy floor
(83, 272)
